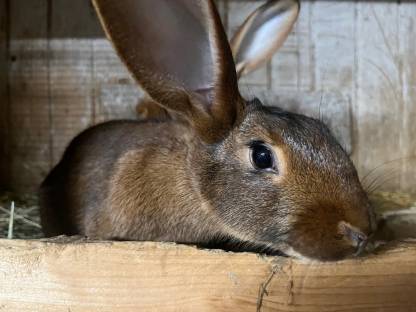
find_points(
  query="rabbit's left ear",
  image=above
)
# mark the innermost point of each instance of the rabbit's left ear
(178, 52)
(263, 33)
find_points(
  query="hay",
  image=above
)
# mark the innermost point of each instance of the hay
(11, 221)
(19, 217)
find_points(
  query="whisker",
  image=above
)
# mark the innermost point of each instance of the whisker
(385, 180)
(369, 188)
(381, 182)
(385, 164)
(319, 108)
(377, 178)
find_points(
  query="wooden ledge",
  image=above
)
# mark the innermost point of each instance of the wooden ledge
(79, 275)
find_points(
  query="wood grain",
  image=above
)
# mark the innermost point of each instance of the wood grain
(29, 113)
(66, 16)
(407, 64)
(71, 91)
(132, 276)
(379, 87)
(4, 101)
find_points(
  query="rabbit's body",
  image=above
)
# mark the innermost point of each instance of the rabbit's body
(115, 177)
(116, 181)
(222, 168)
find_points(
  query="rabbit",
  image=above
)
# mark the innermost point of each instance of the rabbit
(270, 24)
(236, 173)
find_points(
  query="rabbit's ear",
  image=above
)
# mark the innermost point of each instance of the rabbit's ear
(179, 53)
(263, 33)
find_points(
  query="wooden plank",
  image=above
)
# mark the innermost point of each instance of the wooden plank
(292, 66)
(379, 102)
(29, 94)
(333, 37)
(407, 32)
(74, 19)
(70, 73)
(52, 84)
(88, 82)
(115, 91)
(333, 61)
(28, 19)
(126, 276)
(4, 101)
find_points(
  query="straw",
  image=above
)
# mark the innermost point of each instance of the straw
(11, 219)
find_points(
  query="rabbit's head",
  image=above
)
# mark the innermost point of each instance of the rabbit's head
(274, 179)
(281, 180)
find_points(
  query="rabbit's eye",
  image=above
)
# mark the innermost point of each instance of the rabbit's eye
(262, 157)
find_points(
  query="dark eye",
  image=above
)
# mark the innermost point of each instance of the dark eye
(262, 157)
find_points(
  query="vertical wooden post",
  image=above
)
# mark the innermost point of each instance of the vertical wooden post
(4, 100)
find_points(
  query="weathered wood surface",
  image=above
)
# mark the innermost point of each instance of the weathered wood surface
(359, 55)
(4, 102)
(131, 276)
(30, 106)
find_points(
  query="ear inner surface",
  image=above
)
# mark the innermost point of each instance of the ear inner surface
(179, 53)
(263, 33)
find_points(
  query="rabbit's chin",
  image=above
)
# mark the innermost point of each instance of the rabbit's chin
(322, 255)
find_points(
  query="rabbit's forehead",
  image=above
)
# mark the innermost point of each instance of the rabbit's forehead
(284, 128)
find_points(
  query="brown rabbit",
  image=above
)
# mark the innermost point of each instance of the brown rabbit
(253, 44)
(236, 171)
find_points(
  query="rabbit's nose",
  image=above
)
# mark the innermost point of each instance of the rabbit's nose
(353, 235)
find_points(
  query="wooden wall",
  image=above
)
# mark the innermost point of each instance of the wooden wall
(354, 59)
(3, 94)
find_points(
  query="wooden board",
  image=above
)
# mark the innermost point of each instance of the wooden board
(4, 101)
(30, 105)
(132, 276)
(384, 86)
(65, 17)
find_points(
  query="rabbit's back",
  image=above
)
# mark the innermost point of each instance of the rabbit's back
(103, 171)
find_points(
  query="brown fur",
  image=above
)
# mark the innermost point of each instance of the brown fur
(193, 181)
(148, 109)
(177, 188)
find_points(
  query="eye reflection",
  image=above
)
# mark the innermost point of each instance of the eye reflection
(261, 156)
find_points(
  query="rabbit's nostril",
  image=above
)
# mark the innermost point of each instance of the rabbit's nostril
(356, 238)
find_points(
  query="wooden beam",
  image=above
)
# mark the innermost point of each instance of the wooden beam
(74, 19)
(4, 101)
(134, 276)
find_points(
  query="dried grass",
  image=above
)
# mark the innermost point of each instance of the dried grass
(19, 217)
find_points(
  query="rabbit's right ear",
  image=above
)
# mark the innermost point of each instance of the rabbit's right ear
(263, 33)
(178, 52)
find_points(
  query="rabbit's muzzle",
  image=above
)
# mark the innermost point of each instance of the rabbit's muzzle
(327, 232)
